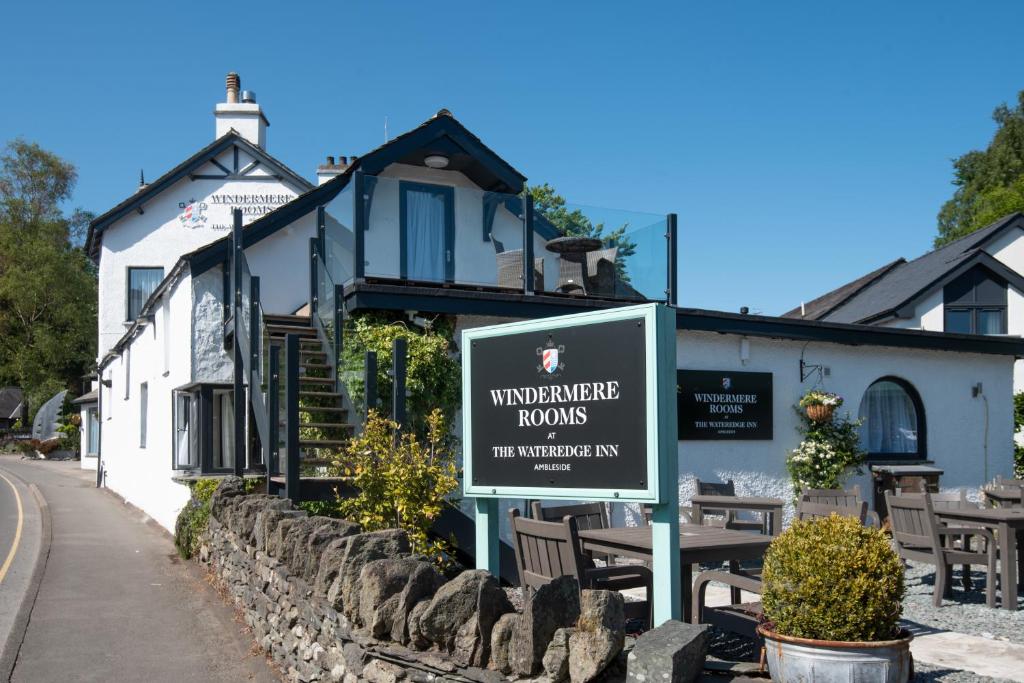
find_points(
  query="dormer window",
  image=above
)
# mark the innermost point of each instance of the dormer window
(975, 303)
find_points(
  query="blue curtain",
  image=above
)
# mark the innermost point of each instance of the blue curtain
(424, 227)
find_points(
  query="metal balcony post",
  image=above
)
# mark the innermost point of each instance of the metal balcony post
(399, 348)
(238, 397)
(339, 332)
(313, 290)
(527, 243)
(255, 338)
(321, 230)
(359, 224)
(291, 475)
(672, 236)
(273, 447)
(369, 384)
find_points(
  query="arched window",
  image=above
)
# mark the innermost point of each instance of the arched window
(893, 420)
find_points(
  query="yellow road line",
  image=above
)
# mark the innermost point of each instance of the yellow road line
(17, 532)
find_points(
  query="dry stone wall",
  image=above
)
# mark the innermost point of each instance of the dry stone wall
(330, 603)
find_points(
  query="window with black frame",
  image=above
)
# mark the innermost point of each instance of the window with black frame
(975, 303)
(142, 282)
(893, 421)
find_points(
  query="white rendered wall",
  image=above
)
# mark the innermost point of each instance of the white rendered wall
(281, 262)
(158, 237)
(928, 315)
(209, 360)
(142, 476)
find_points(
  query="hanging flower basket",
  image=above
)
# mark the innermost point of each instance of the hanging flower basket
(820, 412)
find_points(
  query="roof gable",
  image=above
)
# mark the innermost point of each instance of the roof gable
(250, 161)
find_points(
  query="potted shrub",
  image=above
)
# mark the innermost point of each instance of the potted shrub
(833, 593)
(820, 405)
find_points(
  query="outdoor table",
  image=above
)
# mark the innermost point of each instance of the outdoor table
(1006, 496)
(1008, 524)
(574, 249)
(696, 544)
(773, 506)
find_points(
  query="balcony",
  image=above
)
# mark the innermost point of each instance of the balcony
(410, 233)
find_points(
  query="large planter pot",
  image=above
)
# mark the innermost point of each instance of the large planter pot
(820, 413)
(803, 660)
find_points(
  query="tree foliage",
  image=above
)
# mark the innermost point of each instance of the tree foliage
(47, 283)
(573, 222)
(989, 182)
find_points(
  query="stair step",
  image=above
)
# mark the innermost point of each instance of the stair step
(321, 394)
(322, 442)
(307, 352)
(286, 319)
(322, 409)
(327, 425)
(279, 331)
(316, 380)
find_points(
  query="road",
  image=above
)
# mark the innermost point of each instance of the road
(114, 601)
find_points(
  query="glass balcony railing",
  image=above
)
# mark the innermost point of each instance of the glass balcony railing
(424, 233)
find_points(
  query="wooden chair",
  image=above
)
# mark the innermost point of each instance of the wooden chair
(587, 516)
(919, 537)
(727, 518)
(547, 550)
(510, 267)
(957, 500)
(807, 510)
(738, 617)
(840, 497)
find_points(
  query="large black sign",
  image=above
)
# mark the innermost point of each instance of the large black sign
(716, 404)
(560, 408)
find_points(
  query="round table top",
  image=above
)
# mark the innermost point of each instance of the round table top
(573, 245)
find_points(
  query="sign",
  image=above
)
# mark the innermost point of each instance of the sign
(564, 407)
(196, 213)
(721, 405)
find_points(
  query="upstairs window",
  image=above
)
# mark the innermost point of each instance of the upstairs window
(975, 303)
(142, 283)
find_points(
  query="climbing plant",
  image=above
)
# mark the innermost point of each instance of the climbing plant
(433, 375)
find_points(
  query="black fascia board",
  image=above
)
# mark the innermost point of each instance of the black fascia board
(983, 258)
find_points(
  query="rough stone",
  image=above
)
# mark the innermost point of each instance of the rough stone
(473, 592)
(243, 519)
(416, 638)
(360, 550)
(330, 565)
(294, 544)
(600, 634)
(328, 531)
(228, 488)
(266, 523)
(468, 648)
(671, 653)
(553, 606)
(500, 635)
(380, 584)
(383, 672)
(424, 582)
(556, 657)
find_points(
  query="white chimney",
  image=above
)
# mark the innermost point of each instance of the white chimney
(332, 168)
(241, 113)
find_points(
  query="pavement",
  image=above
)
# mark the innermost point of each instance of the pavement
(114, 601)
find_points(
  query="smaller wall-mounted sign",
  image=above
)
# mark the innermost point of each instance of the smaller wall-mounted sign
(720, 405)
(198, 213)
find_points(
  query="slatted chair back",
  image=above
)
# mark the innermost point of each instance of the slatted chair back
(832, 496)
(914, 528)
(1009, 482)
(715, 488)
(587, 515)
(956, 500)
(545, 550)
(808, 510)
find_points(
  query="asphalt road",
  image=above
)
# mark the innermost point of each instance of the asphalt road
(115, 603)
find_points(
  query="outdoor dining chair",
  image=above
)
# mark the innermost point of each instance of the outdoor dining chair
(727, 519)
(840, 497)
(601, 271)
(510, 267)
(547, 550)
(587, 516)
(920, 537)
(806, 510)
(957, 500)
(570, 277)
(741, 618)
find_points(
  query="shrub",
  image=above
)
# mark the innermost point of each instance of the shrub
(403, 481)
(833, 579)
(829, 452)
(194, 517)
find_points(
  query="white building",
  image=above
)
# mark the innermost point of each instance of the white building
(433, 223)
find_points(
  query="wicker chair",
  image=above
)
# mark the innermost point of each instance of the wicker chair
(510, 267)
(602, 277)
(546, 550)
(919, 537)
(570, 277)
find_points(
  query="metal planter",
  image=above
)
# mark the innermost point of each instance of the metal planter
(803, 660)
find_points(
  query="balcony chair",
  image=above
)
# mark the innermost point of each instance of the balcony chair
(920, 537)
(840, 497)
(510, 268)
(727, 519)
(806, 510)
(570, 277)
(601, 270)
(741, 618)
(547, 550)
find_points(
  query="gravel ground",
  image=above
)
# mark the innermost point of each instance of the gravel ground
(926, 672)
(964, 613)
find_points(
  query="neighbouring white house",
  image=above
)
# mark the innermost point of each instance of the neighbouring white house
(195, 361)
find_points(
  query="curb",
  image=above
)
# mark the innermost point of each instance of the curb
(11, 649)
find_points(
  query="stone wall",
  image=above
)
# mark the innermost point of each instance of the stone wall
(330, 603)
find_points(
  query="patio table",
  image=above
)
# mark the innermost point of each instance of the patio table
(574, 249)
(1006, 496)
(696, 544)
(773, 506)
(1008, 523)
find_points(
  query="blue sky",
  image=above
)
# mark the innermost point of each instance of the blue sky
(801, 143)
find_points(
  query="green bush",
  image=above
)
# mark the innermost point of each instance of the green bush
(194, 517)
(833, 579)
(829, 452)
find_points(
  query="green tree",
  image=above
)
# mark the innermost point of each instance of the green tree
(989, 182)
(552, 206)
(47, 283)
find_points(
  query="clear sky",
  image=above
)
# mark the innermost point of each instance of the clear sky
(801, 143)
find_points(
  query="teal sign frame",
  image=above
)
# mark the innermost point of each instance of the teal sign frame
(661, 489)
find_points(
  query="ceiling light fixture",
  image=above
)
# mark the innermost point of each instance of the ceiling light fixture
(436, 161)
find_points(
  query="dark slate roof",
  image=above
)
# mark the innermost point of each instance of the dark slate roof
(895, 287)
(90, 397)
(226, 141)
(816, 309)
(10, 402)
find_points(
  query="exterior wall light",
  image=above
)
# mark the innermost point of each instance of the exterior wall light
(436, 161)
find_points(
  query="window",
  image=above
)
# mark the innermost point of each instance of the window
(143, 410)
(186, 430)
(92, 433)
(141, 284)
(975, 303)
(223, 430)
(893, 420)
